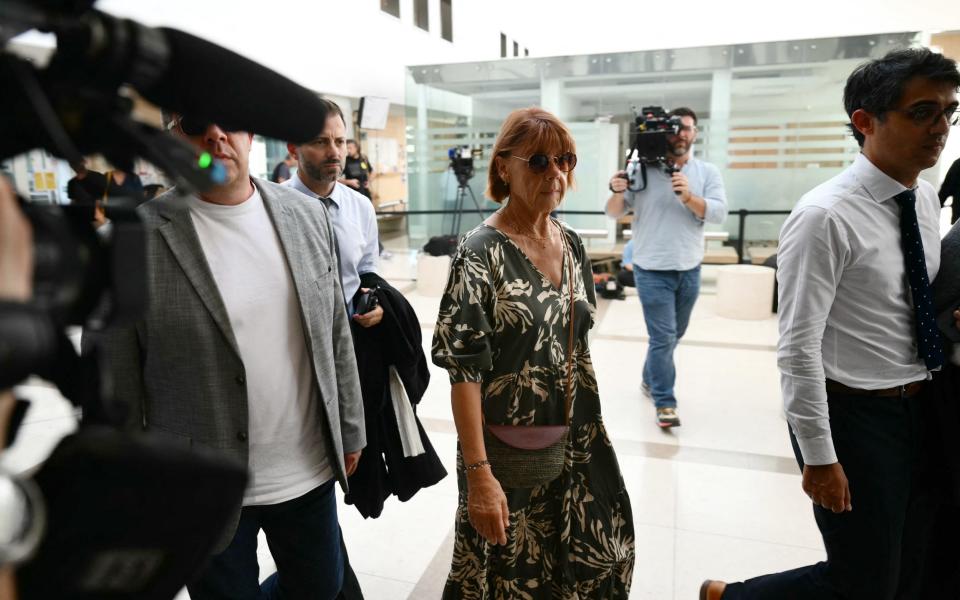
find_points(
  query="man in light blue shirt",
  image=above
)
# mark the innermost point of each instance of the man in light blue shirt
(320, 164)
(668, 218)
(354, 220)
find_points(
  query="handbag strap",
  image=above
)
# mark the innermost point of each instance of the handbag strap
(568, 255)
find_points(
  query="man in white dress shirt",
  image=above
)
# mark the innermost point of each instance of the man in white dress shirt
(858, 341)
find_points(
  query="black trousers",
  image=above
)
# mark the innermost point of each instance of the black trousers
(351, 586)
(876, 551)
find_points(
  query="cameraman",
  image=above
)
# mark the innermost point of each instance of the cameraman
(668, 218)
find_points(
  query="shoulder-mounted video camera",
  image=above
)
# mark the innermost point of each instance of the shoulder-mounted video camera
(461, 162)
(650, 144)
(128, 516)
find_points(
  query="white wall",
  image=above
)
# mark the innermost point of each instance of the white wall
(352, 48)
(563, 27)
(342, 47)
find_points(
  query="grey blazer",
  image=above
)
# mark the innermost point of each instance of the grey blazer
(180, 367)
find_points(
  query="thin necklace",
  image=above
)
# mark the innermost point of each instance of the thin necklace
(540, 241)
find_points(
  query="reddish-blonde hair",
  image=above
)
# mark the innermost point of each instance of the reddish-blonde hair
(525, 132)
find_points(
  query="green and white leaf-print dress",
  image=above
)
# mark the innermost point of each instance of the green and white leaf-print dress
(503, 324)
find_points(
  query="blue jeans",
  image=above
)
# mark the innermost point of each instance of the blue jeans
(304, 539)
(667, 298)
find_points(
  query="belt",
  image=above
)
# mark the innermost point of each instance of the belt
(907, 390)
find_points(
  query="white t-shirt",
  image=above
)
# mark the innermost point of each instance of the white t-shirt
(288, 449)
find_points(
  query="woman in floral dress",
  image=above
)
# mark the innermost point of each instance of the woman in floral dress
(502, 334)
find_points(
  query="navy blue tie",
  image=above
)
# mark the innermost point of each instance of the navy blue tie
(928, 336)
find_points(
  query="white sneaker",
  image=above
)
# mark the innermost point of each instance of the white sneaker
(667, 417)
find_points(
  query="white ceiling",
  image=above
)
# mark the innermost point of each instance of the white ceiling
(564, 27)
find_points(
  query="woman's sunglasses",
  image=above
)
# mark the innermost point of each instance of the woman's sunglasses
(539, 163)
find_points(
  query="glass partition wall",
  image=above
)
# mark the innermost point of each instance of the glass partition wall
(771, 118)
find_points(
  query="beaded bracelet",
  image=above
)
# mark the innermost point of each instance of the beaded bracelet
(478, 465)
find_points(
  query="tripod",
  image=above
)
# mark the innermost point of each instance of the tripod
(463, 190)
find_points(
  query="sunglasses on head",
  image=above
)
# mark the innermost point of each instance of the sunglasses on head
(539, 163)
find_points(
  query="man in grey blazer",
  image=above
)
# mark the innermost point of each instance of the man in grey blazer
(246, 349)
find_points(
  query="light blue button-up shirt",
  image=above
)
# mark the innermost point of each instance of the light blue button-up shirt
(355, 224)
(667, 236)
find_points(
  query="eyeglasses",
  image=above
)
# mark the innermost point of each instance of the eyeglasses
(930, 115)
(539, 163)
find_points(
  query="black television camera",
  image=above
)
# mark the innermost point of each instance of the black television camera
(114, 515)
(461, 162)
(650, 145)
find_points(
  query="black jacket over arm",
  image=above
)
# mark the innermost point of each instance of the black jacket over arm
(397, 341)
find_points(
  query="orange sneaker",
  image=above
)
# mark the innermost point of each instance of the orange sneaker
(712, 589)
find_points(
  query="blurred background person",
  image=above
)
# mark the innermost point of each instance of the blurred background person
(118, 184)
(86, 187)
(281, 172)
(357, 172)
(625, 272)
(123, 183)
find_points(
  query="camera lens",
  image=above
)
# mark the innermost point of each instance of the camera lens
(66, 282)
(22, 518)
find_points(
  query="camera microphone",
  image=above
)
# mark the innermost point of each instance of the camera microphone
(185, 74)
(211, 82)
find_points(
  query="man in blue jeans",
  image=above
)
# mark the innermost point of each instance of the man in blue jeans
(668, 218)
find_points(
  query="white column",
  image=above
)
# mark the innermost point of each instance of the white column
(719, 136)
(554, 98)
(418, 224)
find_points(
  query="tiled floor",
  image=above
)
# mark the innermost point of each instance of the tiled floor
(718, 497)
